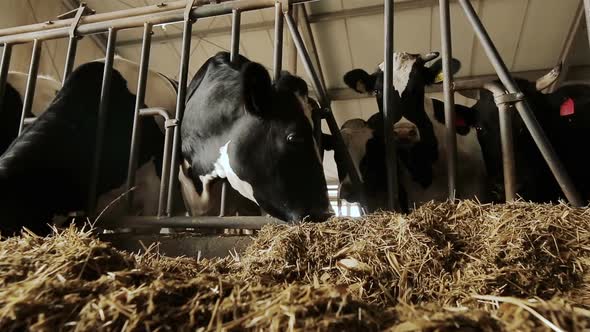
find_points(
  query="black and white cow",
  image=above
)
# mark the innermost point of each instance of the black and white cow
(419, 130)
(46, 170)
(10, 113)
(564, 117)
(238, 126)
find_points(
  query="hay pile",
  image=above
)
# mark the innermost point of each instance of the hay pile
(468, 267)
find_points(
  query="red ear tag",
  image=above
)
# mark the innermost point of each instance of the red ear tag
(567, 108)
(459, 121)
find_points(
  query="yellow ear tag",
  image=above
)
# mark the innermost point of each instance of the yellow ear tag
(439, 78)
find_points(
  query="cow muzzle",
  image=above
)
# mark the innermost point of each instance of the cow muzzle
(406, 134)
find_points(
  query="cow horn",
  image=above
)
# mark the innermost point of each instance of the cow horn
(430, 56)
(546, 80)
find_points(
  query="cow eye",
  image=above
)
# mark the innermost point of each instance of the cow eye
(294, 138)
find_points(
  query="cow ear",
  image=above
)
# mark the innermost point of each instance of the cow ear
(435, 71)
(256, 88)
(360, 81)
(465, 117)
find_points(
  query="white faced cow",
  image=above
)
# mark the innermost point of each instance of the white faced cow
(419, 131)
(238, 126)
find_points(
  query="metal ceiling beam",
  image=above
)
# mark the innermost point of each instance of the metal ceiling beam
(578, 73)
(313, 18)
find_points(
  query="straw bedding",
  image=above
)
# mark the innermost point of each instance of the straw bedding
(444, 267)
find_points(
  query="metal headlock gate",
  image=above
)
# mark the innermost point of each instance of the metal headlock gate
(188, 12)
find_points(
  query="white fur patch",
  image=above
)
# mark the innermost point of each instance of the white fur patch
(402, 68)
(198, 205)
(308, 112)
(223, 169)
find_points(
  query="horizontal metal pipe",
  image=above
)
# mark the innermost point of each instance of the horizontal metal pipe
(166, 17)
(125, 13)
(192, 222)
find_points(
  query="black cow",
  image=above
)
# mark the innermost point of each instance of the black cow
(563, 116)
(46, 170)
(419, 131)
(12, 104)
(238, 126)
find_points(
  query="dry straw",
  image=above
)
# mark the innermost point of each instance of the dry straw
(445, 267)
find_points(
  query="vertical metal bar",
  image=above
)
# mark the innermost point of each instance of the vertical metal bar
(139, 102)
(102, 114)
(278, 42)
(165, 171)
(180, 105)
(388, 111)
(234, 52)
(4, 66)
(523, 108)
(450, 136)
(507, 151)
(70, 57)
(31, 83)
(325, 103)
(235, 34)
(587, 14)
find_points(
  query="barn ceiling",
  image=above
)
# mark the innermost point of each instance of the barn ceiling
(531, 35)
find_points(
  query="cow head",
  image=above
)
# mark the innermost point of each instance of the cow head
(272, 157)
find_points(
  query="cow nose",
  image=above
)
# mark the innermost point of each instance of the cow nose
(348, 193)
(321, 216)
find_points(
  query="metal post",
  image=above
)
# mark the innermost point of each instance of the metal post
(523, 108)
(234, 52)
(505, 119)
(278, 42)
(325, 103)
(102, 114)
(31, 83)
(4, 66)
(139, 102)
(308, 35)
(587, 14)
(70, 57)
(180, 104)
(450, 136)
(388, 111)
(235, 34)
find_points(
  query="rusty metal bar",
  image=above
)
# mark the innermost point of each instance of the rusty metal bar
(139, 102)
(180, 105)
(449, 97)
(102, 114)
(31, 84)
(4, 66)
(545, 147)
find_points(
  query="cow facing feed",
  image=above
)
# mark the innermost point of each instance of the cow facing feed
(238, 126)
